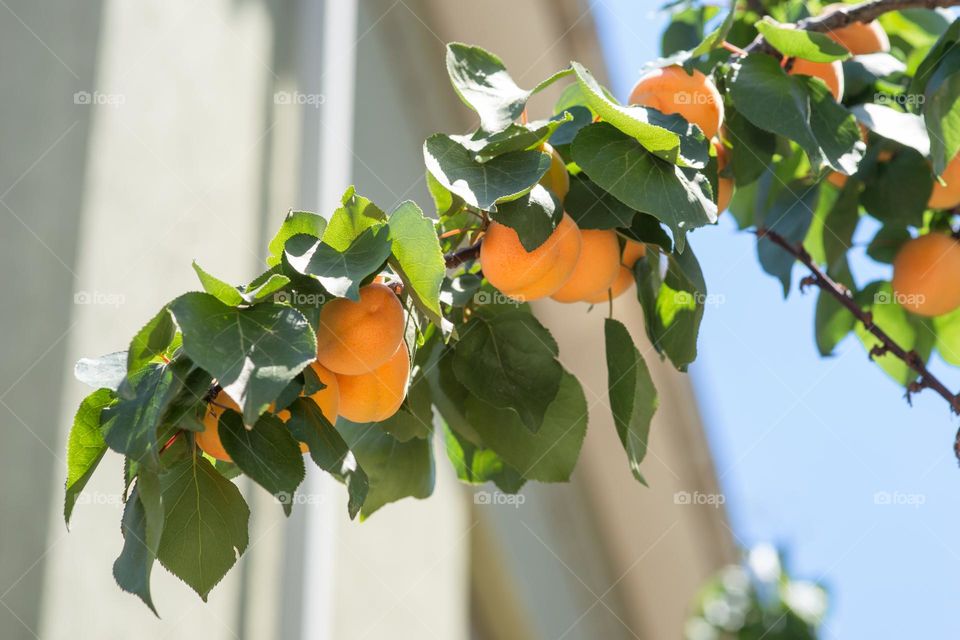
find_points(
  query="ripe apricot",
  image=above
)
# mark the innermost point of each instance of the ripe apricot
(724, 184)
(859, 37)
(327, 399)
(209, 439)
(529, 275)
(375, 396)
(556, 178)
(357, 337)
(632, 251)
(673, 90)
(596, 268)
(830, 72)
(947, 196)
(925, 275)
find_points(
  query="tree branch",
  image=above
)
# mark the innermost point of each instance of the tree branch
(863, 12)
(460, 256)
(925, 379)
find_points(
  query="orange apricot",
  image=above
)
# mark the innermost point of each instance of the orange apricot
(596, 268)
(375, 396)
(357, 337)
(947, 195)
(632, 251)
(724, 184)
(673, 90)
(858, 37)
(209, 439)
(925, 275)
(528, 275)
(830, 72)
(556, 178)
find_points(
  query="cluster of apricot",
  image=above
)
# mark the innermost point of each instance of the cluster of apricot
(572, 264)
(362, 361)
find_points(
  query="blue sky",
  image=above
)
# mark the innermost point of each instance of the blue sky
(804, 445)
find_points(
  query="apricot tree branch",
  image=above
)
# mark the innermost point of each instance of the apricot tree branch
(925, 379)
(863, 12)
(458, 257)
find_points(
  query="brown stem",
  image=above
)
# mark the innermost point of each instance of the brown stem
(925, 379)
(863, 12)
(460, 256)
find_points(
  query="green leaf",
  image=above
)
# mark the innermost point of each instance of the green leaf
(799, 43)
(931, 63)
(593, 208)
(264, 286)
(296, 223)
(142, 527)
(906, 128)
(417, 259)
(753, 148)
(533, 216)
(130, 424)
(482, 185)
(948, 337)
(672, 305)
(225, 293)
(152, 340)
(669, 137)
(188, 406)
(896, 192)
(550, 454)
(509, 360)
(907, 330)
(355, 215)
(581, 116)
(475, 464)
(886, 244)
(267, 453)
(516, 137)
(446, 203)
(395, 469)
(799, 108)
(205, 524)
(633, 398)
(85, 446)
(105, 372)
(340, 272)
(678, 197)
(482, 82)
(941, 111)
(789, 215)
(329, 450)
(253, 353)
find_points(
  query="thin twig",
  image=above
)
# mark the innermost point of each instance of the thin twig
(460, 256)
(863, 12)
(888, 346)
